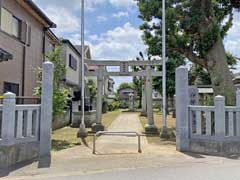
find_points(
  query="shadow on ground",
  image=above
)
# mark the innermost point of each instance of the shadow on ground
(44, 162)
(58, 145)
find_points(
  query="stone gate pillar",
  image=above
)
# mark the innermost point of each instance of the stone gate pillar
(144, 103)
(8, 118)
(46, 109)
(182, 102)
(238, 113)
(100, 78)
(150, 127)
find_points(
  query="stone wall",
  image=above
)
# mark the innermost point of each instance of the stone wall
(10, 155)
(211, 130)
(25, 130)
(61, 121)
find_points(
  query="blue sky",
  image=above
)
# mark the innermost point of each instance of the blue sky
(111, 27)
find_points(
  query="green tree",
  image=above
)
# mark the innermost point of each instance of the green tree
(195, 29)
(124, 85)
(171, 64)
(138, 81)
(200, 76)
(60, 93)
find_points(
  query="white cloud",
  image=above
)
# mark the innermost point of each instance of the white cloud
(70, 23)
(123, 3)
(232, 41)
(120, 43)
(90, 5)
(93, 37)
(120, 14)
(101, 18)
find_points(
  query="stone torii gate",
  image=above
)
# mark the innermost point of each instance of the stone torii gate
(124, 71)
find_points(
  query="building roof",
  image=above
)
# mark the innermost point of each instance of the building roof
(39, 12)
(67, 41)
(4, 55)
(86, 49)
(53, 36)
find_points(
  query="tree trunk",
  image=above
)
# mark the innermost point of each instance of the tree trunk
(220, 74)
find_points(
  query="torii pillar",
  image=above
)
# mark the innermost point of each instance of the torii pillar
(100, 78)
(144, 103)
(150, 128)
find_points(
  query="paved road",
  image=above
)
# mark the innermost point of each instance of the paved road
(209, 168)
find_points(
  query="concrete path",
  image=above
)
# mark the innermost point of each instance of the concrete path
(126, 122)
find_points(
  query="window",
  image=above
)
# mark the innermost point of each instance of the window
(16, 30)
(6, 21)
(11, 87)
(15, 26)
(72, 62)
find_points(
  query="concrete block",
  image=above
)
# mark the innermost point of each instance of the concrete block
(18, 153)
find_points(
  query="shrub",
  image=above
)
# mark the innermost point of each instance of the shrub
(114, 105)
(60, 93)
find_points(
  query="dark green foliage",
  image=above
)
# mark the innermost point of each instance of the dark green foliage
(92, 89)
(199, 76)
(124, 86)
(171, 65)
(193, 26)
(114, 105)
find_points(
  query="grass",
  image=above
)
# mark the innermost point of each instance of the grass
(64, 138)
(171, 125)
(67, 137)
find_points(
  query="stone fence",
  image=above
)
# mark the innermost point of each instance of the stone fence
(25, 129)
(205, 129)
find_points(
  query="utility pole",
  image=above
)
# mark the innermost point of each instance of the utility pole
(164, 132)
(82, 128)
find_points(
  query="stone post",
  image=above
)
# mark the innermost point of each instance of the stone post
(238, 113)
(98, 125)
(219, 102)
(238, 97)
(8, 118)
(150, 128)
(46, 109)
(193, 95)
(144, 104)
(182, 102)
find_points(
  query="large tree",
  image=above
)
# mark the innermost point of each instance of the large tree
(195, 29)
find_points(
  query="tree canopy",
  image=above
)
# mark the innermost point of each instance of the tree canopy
(195, 29)
(125, 85)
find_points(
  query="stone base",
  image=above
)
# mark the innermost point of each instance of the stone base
(97, 127)
(215, 147)
(164, 134)
(151, 129)
(11, 155)
(82, 133)
(90, 118)
(61, 121)
(143, 114)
